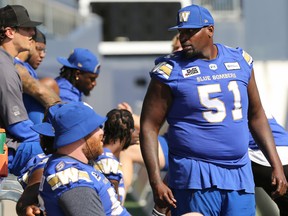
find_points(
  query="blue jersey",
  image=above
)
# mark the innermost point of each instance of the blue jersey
(34, 108)
(208, 126)
(279, 133)
(111, 167)
(36, 162)
(67, 91)
(63, 173)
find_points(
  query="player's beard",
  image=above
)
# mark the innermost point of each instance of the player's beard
(86, 92)
(192, 53)
(93, 148)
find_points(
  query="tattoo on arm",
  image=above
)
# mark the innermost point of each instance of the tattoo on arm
(34, 88)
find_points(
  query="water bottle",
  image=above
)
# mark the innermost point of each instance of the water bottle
(3, 154)
(2, 140)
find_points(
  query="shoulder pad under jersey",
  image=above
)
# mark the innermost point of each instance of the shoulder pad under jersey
(163, 68)
(247, 57)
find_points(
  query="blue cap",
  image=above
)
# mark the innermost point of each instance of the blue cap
(70, 122)
(193, 16)
(81, 59)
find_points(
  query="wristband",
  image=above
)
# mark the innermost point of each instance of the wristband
(157, 213)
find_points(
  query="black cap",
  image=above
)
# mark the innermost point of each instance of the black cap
(16, 15)
(39, 36)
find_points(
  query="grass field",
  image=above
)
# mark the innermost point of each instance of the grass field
(133, 207)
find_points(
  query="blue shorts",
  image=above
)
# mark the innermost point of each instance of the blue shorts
(164, 146)
(214, 202)
(17, 160)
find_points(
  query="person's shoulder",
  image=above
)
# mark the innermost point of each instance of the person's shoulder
(108, 163)
(5, 57)
(57, 164)
(61, 81)
(237, 52)
(108, 153)
(168, 58)
(232, 51)
(165, 65)
(30, 166)
(62, 171)
(18, 61)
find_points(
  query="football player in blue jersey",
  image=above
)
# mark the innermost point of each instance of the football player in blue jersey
(118, 131)
(78, 75)
(133, 154)
(207, 93)
(261, 167)
(31, 60)
(31, 175)
(70, 185)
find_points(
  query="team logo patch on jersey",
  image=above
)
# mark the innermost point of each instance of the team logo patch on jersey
(247, 57)
(193, 71)
(163, 68)
(213, 66)
(232, 65)
(16, 110)
(67, 176)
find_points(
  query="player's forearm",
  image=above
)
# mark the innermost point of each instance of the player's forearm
(28, 198)
(262, 134)
(41, 93)
(149, 150)
(34, 88)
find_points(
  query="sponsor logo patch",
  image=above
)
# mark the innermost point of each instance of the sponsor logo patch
(213, 66)
(232, 65)
(193, 71)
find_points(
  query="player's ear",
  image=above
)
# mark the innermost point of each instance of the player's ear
(77, 73)
(9, 32)
(210, 31)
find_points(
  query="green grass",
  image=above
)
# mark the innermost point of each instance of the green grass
(133, 207)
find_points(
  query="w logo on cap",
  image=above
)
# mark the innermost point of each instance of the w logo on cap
(183, 16)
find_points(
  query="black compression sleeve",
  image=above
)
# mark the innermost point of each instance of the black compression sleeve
(81, 201)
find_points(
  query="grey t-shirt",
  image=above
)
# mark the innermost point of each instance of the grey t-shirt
(12, 109)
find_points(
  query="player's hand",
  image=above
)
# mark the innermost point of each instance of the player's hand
(163, 196)
(32, 210)
(279, 182)
(135, 138)
(125, 106)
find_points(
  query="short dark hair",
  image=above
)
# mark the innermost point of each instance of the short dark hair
(118, 126)
(2, 34)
